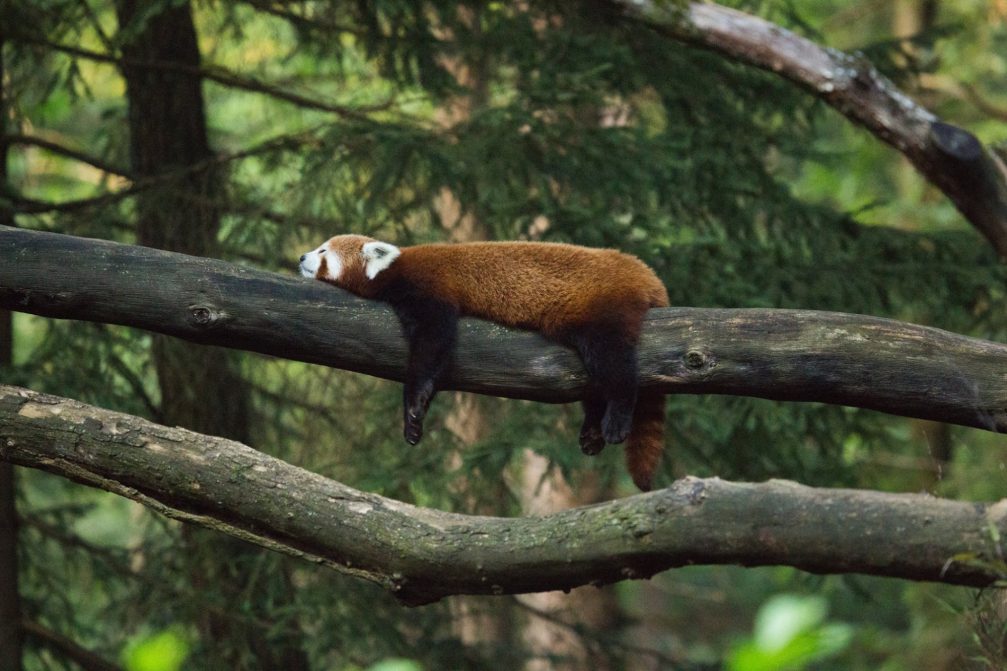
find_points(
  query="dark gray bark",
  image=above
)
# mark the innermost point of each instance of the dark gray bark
(778, 354)
(423, 555)
(168, 136)
(951, 158)
(11, 634)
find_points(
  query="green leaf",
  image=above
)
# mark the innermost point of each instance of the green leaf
(785, 617)
(396, 664)
(789, 634)
(164, 651)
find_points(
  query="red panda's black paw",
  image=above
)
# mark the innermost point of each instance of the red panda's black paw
(591, 441)
(413, 431)
(616, 427)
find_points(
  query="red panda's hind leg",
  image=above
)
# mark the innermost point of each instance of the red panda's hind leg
(609, 358)
(591, 439)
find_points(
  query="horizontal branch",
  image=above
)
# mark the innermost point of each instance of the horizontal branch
(794, 355)
(951, 158)
(423, 555)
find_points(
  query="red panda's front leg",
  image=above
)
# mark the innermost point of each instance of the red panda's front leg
(431, 327)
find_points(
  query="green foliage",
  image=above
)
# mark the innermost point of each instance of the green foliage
(790, 633)
(163, 651)
(396, 665)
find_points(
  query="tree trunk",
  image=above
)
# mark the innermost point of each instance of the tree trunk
(11, 633)
(557, 621)
(201, 388)
(475, 623)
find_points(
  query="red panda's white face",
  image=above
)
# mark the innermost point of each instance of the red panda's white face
(312, 262)
(348, 260)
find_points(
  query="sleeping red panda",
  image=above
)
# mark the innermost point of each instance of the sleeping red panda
(591, 299)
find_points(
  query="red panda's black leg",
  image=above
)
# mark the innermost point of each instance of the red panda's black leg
(610, 360)
(431, 327)
(591, 439)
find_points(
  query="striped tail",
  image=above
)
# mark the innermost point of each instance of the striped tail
(646, 440)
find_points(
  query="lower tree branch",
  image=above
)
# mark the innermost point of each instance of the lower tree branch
(795, 355)
(422, 555)
(951, 158)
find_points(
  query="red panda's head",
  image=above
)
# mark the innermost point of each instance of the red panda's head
(349, 261)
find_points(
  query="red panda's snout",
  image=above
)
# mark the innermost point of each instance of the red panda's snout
(311, 262)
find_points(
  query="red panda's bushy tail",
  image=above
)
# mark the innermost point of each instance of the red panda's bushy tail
(646, 440)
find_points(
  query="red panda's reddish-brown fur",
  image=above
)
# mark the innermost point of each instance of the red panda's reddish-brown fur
(535, 285)
(549, 287)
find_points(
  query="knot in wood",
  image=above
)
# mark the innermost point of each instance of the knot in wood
(203, 316)
(695, 359)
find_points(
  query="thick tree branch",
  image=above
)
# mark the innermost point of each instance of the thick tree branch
(422, 555)
(951, 158)
(778, 354)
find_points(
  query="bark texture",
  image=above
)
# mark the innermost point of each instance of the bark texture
(11, 633)
(794, 355)
(951, 158)
(422, 555)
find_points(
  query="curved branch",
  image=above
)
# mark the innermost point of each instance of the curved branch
(794, 355)
(423, 555)
(951, 158)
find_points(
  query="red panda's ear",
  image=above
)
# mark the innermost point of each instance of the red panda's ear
(378, 256)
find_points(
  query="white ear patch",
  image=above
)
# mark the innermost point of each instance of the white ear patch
(378, 256)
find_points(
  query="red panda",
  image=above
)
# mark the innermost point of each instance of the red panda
(591, 299)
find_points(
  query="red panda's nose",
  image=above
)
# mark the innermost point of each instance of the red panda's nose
(303, 256)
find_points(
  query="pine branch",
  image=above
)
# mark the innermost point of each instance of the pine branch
(951, 158)
(56, 148)
(67, 648)
(213, 73)
(423, 555)
(302, 21)
(17, 203)
(794, 355)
